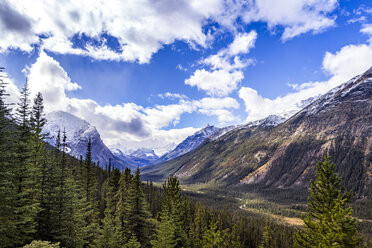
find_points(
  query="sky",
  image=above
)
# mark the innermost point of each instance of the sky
(149, 73)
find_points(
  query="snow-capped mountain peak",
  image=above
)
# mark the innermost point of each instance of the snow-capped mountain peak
(78, 132)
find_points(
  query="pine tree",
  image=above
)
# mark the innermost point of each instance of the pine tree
(199, 226)
(107, 236)
(90, 203)
(173, 205)
(268, 236)
(137, 216)
(41, 244)
(232, 239)
(133, 243)
(25, 205)
(48, 197)
(165, 237)
(212, 237)
(328, 222)
(37, 123)
(120, 210)
(7, 223)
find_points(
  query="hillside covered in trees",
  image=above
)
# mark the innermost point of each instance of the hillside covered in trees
(49, 199)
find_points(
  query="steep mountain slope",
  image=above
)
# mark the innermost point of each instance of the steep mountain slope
(285, 156)
(78, 132)
(190, 143)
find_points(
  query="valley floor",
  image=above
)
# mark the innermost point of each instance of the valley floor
(286, 211)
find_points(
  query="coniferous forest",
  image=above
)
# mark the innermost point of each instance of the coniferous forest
(50, 199)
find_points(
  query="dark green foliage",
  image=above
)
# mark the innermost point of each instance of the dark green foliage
(268, 236)
(165, 232)
(25, 206)
(41, 244)
(328, 222)
(7, 225)
(173, 205)
(212, 237)
(137, 218)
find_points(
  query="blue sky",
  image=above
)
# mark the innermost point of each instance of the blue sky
(150, 73)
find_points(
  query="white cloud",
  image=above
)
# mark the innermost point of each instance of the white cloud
(143, 27)
(140, 27)
(367, 29)
(172, 96)
(242, 43)
(346, 63)
(218, 107)
(357, 19)
(215, 83)
(297, 17)
(126, 125)
(48, 77)
(226, 67)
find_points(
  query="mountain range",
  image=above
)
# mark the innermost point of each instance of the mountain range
(285, 156)
(78, 132)
(275, 152)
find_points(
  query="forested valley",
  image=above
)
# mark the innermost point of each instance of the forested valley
(50, 199)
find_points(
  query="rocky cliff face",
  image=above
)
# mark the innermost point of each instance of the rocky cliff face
(285, 156)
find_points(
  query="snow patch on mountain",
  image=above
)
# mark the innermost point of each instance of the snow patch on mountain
(78, 132)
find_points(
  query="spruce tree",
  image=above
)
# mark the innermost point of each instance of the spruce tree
(25, 204)
(212, 237)
(120, 210)
(47, 220)
(328, 222)
(165, 237)
(7, 223)
(133, 243)
(199, 225)
(268, 236)
(107, 236)
(37, 122)
(41, 244)
(137, 216)
(173, 204)
(232, 239)
(90, 203)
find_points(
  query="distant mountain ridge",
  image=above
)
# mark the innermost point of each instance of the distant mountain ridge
(285, 155)
(141, 157)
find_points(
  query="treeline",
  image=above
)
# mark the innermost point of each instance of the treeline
(49, 199)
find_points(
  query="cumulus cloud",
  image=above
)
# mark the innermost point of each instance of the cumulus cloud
(215, 83)
(346, 63)
(297, 17)
(226, 67)
(141, 28)
(47, 76)
(123, 125)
